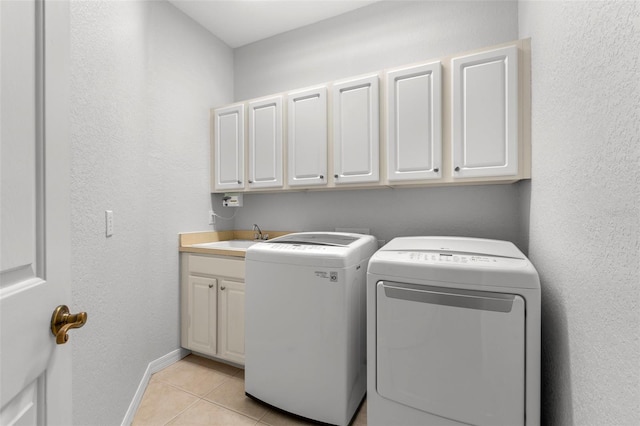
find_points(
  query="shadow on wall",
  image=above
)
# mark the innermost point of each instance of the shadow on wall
(556, 403)
(524, 215)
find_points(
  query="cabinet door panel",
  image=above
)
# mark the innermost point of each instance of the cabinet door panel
(265, 143)
(229, 147)
(231, 330)
(414, 123)
(485, 114)
(307, 137)
(356, 131)
(202, 314)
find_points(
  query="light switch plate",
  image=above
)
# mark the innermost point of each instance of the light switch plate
(108, 214)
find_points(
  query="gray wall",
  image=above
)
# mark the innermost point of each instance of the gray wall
(584, 215)
(373, 38)
(383, 35)
(143, 79)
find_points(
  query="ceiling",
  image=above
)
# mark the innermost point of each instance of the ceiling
(240, 22)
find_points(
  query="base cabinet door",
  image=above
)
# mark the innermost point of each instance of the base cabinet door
(231, 321)
(485, 114)
(202, 314)
(212, 306)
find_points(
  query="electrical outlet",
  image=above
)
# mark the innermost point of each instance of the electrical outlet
(109, 222)
(212, 217)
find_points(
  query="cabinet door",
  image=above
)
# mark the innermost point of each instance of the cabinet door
(201, 308)
(228, 141)
(485, 114)
(307, 137)
(414, 123)
(265, 143)
(231, 325)
(356, 131)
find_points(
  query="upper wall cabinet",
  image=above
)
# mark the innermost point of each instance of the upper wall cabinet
(228, 147)
(464, 118)
(356, 131)
(265, 143)
(307, 137)
(485, 114)
(414, 123)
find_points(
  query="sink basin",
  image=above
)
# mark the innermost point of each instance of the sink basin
(227, 245)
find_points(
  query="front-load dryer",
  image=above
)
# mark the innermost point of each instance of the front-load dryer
(305, 349)
(453, 334)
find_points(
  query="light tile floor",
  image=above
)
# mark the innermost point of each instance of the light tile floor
(200, 391)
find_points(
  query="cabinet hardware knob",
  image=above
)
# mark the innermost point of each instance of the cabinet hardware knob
(239, 181)
(321, 176)
(250, 181)
(457, 169)
(222, 288)
(210, 285)
(436, 170)
(336, 176)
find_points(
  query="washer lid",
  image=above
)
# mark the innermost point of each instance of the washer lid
(330, 249)
(318, 239)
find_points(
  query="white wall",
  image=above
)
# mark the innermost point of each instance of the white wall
(373, 38)
(143, 79)
(584, 214)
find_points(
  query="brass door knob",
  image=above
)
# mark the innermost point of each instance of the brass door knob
(62, 321)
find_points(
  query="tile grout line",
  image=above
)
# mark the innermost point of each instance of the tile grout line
(191, 393)
(236, 411)
(203, 398)
(177, 415)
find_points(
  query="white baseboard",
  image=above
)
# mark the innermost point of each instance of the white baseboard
(153, 367)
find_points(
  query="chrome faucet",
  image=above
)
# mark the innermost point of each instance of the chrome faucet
(257, 233)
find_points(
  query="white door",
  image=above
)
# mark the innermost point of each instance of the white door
(231, 324)
(414, 123)
(356, 131)
(265, 143)
(307, 137)
(35, 372)
(228, 124)
(485, 114)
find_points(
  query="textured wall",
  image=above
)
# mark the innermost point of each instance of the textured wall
(380, 36)
(584, 215)
(143, 79)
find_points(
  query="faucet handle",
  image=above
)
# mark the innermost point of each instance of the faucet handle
(265, 237)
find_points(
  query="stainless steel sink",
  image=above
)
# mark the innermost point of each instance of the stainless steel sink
(227, 245)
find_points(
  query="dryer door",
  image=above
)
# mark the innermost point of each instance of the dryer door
(458, 354)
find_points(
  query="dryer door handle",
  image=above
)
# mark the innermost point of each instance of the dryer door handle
(469, 299)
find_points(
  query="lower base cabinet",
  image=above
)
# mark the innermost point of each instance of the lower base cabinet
(212, 306)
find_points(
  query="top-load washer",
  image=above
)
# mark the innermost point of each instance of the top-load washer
(305, 341)
(453, 334)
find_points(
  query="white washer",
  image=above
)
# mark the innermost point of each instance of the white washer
(453, 334)
(305, 341)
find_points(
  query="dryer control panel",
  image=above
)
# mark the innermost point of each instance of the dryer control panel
(451, 258)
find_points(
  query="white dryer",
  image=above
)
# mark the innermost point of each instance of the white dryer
(453, 329)
(305, 341)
